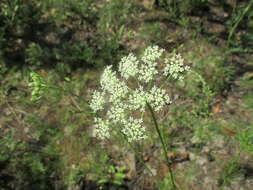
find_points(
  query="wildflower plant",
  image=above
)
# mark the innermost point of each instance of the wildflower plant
(137, 87)
(131, 89)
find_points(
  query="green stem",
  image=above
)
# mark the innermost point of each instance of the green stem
(66, 91)
(163, 145)
(74, 103)
(63, 90)
(166, 81)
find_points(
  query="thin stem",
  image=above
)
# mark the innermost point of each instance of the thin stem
(63, 90)
(165, 81)
(67, 91)
(163, 145)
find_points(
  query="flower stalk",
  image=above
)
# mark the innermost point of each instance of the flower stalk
(165, 152)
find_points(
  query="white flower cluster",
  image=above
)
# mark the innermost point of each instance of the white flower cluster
(110, 83)
(158, 98)
(148, 68)
(101, 128)
(97, 101)
(138, 99)
(151, 54)
(128, 66)
(175, 66)
(147, 72)
(117, 113)
(119, 102)
(134, 130)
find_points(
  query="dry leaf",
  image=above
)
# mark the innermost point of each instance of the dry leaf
(224, 156)
(217, 108)
(229, 132)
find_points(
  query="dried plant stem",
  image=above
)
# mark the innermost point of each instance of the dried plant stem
(163, 146)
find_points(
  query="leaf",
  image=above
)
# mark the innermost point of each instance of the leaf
(120, 175)
(224, 156)
(217, 108)
(117, 182)
(67, 79)
(102, 181)
(121, 31)
(111, 169)
(229, 132)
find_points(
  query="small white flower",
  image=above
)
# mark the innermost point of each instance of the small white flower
(175, 66)
(110, 83)
(138, 99)
(118, 91)
(101, 128)
(134, 130)
(148, 67)
(117, 113)
(108, 79)
(147, 72)
(128, 66)
(97, 101)
(158, 98)
(151, 54)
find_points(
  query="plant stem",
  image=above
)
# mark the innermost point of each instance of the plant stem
(163, 145)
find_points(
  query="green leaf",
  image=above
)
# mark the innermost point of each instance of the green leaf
(117, 182)
(101, 181)
(67, 79)
(120, 175)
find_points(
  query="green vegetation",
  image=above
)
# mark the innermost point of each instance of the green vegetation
(52, 54)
